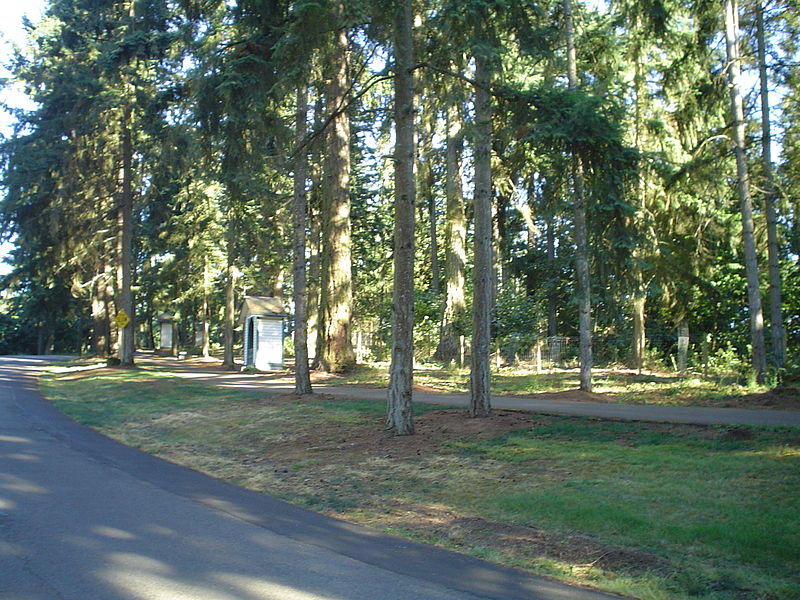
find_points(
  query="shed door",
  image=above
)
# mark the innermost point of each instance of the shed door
(269, 354)
(249, 342)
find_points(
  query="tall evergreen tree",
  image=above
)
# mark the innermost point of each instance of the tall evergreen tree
(734, 69)
(399, 418)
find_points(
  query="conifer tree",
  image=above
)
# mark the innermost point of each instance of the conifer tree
(743, 189)
(399, 418)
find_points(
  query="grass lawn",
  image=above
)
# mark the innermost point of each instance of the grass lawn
(646, 510)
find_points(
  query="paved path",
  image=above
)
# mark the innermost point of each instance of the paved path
(540, 403)
(85, 518)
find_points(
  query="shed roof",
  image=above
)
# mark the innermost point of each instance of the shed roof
(262, 306)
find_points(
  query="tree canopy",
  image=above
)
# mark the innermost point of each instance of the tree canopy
(416, 181)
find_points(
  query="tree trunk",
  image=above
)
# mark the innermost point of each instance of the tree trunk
(398, 415)
(480, 379)
(776, 327)
(452, 329)
(230, 308)
(583, 282)
(639, 340)
(337, 348)
(436, 286)
(125, 243)
(552, 329)
(314, 275)
(316, 204)
(302, 377)
(205, 342)
(112, 337)
(99, 313)
(639, 287)
(743, 187)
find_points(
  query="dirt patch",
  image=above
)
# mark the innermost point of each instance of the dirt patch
(516, 542)
(346, 442)
(782, 397)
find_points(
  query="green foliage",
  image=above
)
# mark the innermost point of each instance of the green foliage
(518, 323)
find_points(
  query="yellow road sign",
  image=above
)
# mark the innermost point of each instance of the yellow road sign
(122, 319)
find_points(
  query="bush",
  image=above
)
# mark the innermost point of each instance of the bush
(726, 363)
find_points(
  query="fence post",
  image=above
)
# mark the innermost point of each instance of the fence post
(538, 351)
(683, 345)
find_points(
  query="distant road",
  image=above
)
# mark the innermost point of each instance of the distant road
(85, 518)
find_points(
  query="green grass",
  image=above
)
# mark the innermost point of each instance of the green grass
(715, 511)
(664, 489)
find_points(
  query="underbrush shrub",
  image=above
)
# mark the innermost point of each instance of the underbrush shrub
(726, 364)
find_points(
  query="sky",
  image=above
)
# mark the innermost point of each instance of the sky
(11, 32)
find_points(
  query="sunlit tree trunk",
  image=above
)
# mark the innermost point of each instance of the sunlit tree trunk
(230, 288)
(125, 242)
(337, 298)
(205, 348)
(302, 378)
(743, 188)
(776, 327)
(639, 289)
(398, 416)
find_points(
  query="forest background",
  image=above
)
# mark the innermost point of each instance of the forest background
(467, 181)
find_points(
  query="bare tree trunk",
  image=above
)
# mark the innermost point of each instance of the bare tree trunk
(109, 299)
(314, 276)
(776, 327)
(639, 339)
(480, 378)
(581, 237)
(398, 415)
(436, 276)
(337, 348)
(125, 243)
(100, 341)
(206, 343)
(230, 287)
(551, 273)
(316, 211)
(750, 257)
(455, 308)
(302, 377)
(639, 288)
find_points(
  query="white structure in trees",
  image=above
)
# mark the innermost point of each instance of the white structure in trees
(263, 318)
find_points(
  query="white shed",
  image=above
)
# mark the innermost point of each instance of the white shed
(167, 341)
(263, 317)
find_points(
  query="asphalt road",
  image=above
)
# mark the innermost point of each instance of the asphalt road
(85, 518)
